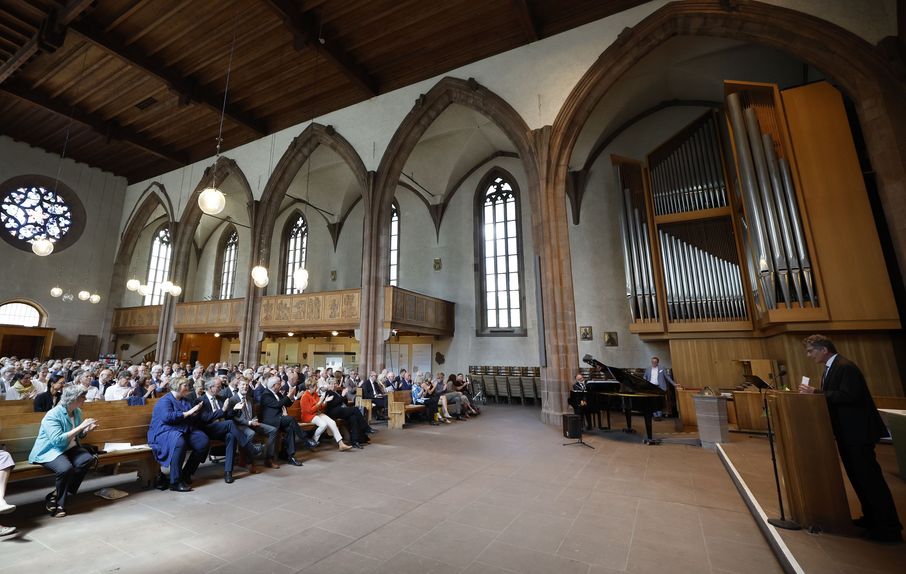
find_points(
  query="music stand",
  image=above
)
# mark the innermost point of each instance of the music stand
(757, 381)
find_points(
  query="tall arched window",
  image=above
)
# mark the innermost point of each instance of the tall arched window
(394, 244)
(158, 265)
(225, 270)
(498, 246)
(295, 248)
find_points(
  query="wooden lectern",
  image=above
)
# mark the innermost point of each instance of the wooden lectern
(809, 463)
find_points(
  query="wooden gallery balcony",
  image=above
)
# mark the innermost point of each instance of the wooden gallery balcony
(406, 311)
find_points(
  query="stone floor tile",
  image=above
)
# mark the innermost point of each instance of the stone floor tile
(519, 559)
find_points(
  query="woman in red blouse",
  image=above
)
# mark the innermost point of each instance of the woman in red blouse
(312, 405)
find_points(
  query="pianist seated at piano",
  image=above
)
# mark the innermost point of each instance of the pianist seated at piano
(579, 402)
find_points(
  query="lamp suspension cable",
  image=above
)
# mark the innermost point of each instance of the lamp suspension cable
(212, 200)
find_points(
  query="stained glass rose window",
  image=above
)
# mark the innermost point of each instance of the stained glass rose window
(36, 207)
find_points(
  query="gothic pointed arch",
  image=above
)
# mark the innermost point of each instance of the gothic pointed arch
(860, 69)
(224, 169)
(468, 93)
(298, 152)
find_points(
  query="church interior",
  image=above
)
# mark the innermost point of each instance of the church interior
(663, 243)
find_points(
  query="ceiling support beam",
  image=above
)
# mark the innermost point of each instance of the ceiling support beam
(48, 38)
(527, 20)
(109, 129)
(186, 87)
(307, 35)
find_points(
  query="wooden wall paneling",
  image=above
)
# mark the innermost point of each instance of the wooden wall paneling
(417, 313)
(209, 316)
(698, 363)
(846, 245)
(133, 320)
(750, 411)
(311, 311)
(874, 353)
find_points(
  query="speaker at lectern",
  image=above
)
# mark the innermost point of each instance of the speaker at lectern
(810, 467)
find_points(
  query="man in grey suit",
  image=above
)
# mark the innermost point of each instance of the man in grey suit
(660, 378)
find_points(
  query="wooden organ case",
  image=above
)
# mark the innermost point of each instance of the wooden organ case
(751, 228)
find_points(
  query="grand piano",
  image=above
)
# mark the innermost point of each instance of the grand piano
(622, 391)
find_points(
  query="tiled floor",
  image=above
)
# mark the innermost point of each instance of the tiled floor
(829, 553)
(494, 495)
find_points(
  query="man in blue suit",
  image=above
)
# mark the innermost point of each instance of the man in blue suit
(172, 431)
(659, 378)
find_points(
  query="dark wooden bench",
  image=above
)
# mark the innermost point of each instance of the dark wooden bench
(399, 404)
(118, 424)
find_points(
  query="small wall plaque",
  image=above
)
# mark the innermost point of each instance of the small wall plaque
(610, 339)
(586, 334)
(437, 264)
(333, 275)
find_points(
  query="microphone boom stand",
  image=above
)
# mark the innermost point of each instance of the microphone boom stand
(781, 522)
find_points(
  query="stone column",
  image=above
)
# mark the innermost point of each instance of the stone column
(249, 331)
(374, 258)
(551, 239)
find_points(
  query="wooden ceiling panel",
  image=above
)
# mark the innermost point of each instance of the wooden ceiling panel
(144, 79)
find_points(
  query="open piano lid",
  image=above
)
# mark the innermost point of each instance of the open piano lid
(629, 383)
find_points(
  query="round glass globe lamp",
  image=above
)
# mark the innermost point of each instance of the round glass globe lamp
(42, 247)
(211, 201)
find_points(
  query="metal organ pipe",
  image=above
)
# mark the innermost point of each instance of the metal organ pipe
(749, 194)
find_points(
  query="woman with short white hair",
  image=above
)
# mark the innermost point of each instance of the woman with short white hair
(57, 447)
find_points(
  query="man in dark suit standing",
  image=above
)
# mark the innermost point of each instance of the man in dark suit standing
(857, 427)
(273, 412)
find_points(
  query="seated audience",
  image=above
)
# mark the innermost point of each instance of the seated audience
(436, 388)
(420, 397)
(244, 417)
(121, 390)
(22, 384)
(336, 408)
(352, 383)
(312, 412)
(91, 393)
(57, 447)
(173, 431)
(49, 398)
(215, 422)
(372, 389)
(105, 381)
(6, 467)
(273, 412)
(455, 388)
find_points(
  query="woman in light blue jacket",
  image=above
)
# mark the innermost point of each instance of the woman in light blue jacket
(57, 447)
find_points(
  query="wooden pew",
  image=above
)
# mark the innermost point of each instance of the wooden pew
(117, 423)
(399, 404)
(17, 406)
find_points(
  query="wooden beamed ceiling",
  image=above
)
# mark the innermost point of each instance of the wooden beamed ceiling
(136, 87)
